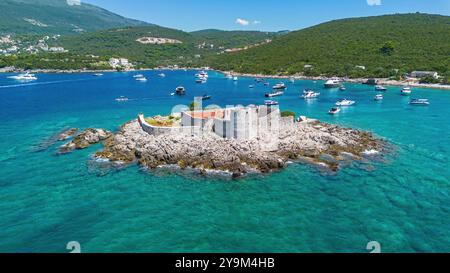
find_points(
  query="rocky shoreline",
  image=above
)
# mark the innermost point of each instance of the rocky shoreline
(310, 141)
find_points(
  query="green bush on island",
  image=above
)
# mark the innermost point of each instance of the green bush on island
(159, 122)
(194, 106)
(288, 113)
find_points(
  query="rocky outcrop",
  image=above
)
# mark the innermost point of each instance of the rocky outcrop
(318, 142)
(67, 134)
(85, 139)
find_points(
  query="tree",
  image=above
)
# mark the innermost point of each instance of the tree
(194, 106)
(388, 48)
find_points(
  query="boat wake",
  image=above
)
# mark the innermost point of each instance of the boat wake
(40, 83)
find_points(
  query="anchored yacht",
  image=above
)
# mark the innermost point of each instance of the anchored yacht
(309, 94)
(332, 83)
(345, 102)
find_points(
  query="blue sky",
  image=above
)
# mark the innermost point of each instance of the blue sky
(267, 15)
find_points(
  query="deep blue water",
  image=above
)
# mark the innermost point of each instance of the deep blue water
(48, 200)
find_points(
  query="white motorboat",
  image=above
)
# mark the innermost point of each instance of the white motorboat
(138, 76)
(201, 80)
(345, 102)
(334, 111)
(271, 103)
(379, 97)
(274, 94)
(24, 77)
(332, 83)
(279, 86)
(406, 91)
(97, 75)
(343, 88)
(202, 74)
(141, 79)
(122, 99)
(419, 102)
(309, 94)
(229, 76)
(235, 78)
(162, 75)
(380, 88)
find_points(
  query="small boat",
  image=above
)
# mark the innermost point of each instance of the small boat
(24, 77)
(379, 97)
(279, 86)
(332, 83)
(345, 102)
(309, 94)
(342, 88)
(266, 84)
(251, 86)
(97, 75)
(202, 74)
(201, 80)
(274, 94)
(292, 80)
(235, 79)
(162, 75)
(180, 90)
(258, 80)
(138, 76)
(141, 79)
(229, 76)
(334, 111)
(206, 97)
(406, 91)
(419, 102)
(122, 99)
(380, 88)
(271, 103)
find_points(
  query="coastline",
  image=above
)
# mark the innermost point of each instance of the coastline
(381, 81)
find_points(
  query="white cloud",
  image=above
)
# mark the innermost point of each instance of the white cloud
(374, 2)
(73, 2)
(242, 22)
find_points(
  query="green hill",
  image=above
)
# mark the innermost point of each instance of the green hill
(232, 39)
(382, 44)
(56, 17)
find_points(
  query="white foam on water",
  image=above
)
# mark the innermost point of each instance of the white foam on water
(371, 152)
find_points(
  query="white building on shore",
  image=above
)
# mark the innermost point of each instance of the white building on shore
(423, 74)
(120, 63)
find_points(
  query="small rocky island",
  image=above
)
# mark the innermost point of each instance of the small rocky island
(235, 141)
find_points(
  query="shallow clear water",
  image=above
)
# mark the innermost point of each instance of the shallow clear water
(48, 200)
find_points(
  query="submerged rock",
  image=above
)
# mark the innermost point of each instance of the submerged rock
(85, 139)
(321, 143)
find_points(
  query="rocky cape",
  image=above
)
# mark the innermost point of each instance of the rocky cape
(309, 141)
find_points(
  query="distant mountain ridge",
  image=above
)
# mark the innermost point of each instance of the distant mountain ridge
(57, 17)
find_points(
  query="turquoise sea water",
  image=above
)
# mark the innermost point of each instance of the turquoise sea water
(48, 200)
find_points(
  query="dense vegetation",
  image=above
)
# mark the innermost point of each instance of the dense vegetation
(56, 17)
(90, 49)
(386, 45)
(122, 42)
